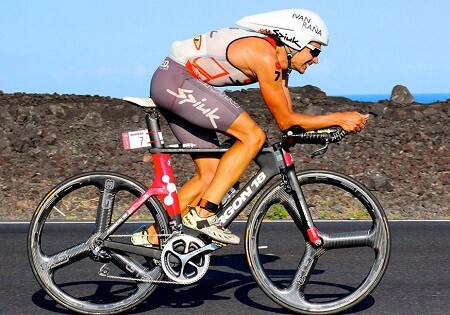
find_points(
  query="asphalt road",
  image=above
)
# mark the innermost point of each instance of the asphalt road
(417, 280)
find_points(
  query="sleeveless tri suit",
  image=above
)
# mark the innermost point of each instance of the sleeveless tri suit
(184, 86)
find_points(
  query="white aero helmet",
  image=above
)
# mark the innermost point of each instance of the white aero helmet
(293, 27)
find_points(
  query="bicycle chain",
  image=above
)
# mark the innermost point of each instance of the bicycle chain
(105, 273)
(128, 235)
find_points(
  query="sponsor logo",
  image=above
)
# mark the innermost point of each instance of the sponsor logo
(108, 196)
(293, 40)
(198, 42)
(171, 189)
(304, 271)
(164, 65)
(243, 196)
(186, 96)
(212, 33)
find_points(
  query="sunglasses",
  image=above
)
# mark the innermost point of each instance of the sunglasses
(314, 51)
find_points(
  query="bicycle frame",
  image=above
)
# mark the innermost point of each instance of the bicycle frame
(271, 162)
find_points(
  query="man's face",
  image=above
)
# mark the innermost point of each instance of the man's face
(305, 57)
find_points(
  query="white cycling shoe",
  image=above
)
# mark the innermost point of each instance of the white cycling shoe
(141, 238)
(209, 226)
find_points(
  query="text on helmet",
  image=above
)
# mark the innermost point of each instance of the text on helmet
(307, 24)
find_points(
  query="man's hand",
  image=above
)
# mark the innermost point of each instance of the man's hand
(351, 121)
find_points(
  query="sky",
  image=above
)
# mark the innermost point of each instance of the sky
(111, 48)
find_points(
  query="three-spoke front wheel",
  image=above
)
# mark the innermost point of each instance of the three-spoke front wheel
(66, 259)
(341, 272)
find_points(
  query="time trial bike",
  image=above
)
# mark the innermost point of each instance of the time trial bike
(104, 273)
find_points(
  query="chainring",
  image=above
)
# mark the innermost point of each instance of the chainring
(183, 259)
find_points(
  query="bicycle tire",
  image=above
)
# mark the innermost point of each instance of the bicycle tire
(300, 285)
(66, 272)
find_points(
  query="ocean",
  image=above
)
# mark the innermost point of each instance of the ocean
(423, 98)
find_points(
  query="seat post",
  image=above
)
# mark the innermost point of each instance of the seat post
(154, 128)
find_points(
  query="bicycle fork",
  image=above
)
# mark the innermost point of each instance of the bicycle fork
(291, 180)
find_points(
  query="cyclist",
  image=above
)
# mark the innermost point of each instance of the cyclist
(265, 49)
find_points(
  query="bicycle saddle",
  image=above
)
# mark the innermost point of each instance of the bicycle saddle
(146, 102)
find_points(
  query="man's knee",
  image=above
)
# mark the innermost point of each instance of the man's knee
(255, 137)
(247, 131)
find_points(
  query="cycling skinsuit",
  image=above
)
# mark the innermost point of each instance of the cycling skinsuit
(183, 87)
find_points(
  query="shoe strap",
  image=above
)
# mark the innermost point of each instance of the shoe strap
(208, 205)
(206, 222)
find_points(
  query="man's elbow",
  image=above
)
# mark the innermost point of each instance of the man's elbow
(285, 124)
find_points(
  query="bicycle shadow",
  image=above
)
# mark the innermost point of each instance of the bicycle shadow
(234, 283)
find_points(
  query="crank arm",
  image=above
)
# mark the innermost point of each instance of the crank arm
(205, 249)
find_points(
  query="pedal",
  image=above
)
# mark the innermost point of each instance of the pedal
(104, 271)
(99, 255)
(219, 243)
